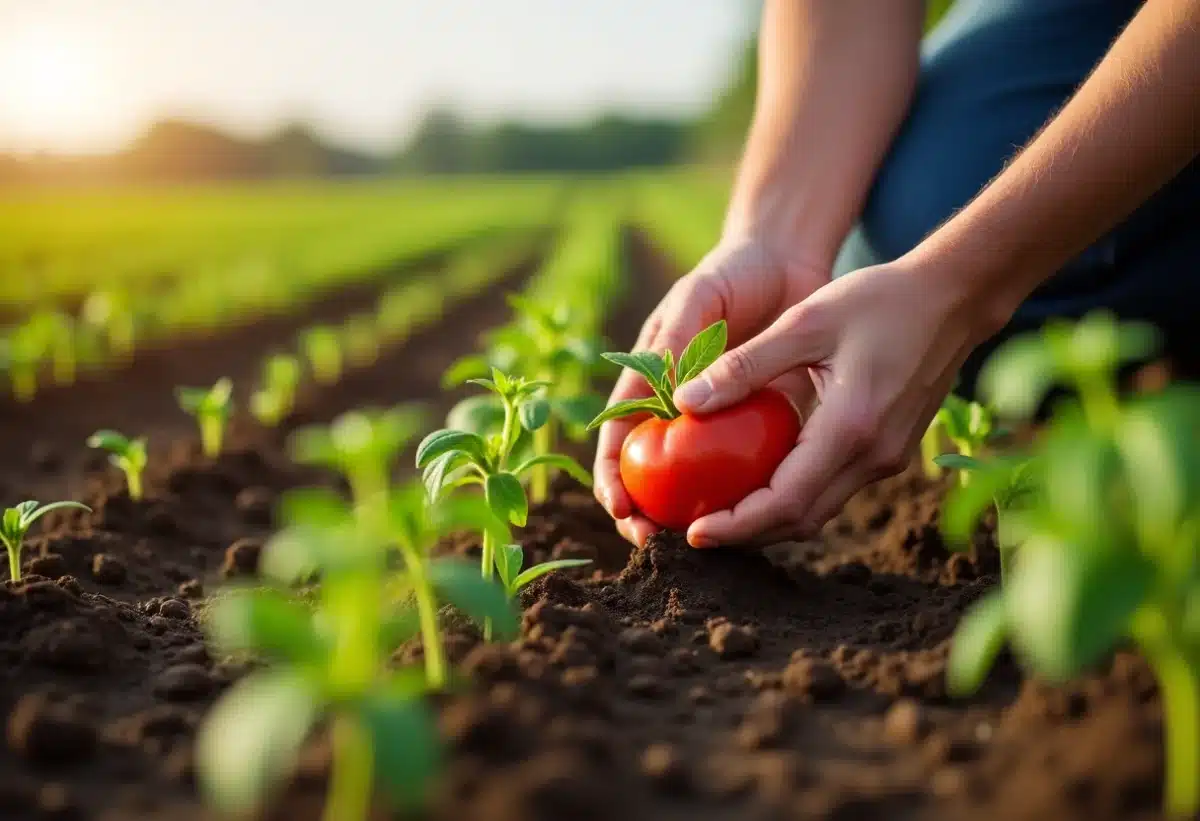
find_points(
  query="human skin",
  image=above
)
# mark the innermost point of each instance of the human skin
(881, 346)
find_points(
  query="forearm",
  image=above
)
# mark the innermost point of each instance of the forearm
(835, 81)
(1131, 127)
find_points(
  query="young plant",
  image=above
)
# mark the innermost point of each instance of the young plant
(21, 354)
(968, 425)
(509, 559)
(328, 662)
(455, 458)
(1005, 483)
(543, 343)
(931, 448)
(361, 445)
(110, 313)
(15, 523)
(1108, 554)
(322, 347)
(212, 409)
(276, 398)
(360, 339)
(127, 454)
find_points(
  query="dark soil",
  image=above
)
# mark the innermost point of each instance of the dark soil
(803, 682)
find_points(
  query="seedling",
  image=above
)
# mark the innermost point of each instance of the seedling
(543, 343)
(931, 448)
(16, 522)
(509, 559)
(1006, 483)
(664, 375)
(127, 454)
(456, 458)
(361, 445)
(322, 347)
(1108, 554)
(360, 338)
(212, 409)
(111, 313)
(276, 398)
(968, 426)
(21, 355)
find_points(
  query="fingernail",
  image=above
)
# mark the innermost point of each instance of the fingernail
(694, 394)
(701, 542)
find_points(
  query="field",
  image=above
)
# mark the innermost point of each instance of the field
(804, 681)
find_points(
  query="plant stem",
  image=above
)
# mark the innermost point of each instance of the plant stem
(210, 435)
(1179, 686)
(930, 451)
(488, 570)
(431, 639)
(349, 797)
(539, 483)
(133, 479)
(14, 561)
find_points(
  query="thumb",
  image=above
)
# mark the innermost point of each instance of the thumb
(791, 341)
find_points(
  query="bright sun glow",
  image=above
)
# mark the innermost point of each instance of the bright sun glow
(53, 90)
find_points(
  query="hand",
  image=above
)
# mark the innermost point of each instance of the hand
(749, 285)
(882, 347)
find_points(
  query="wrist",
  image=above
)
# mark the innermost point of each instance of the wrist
(785, 226)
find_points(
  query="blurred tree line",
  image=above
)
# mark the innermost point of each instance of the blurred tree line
(444, 143)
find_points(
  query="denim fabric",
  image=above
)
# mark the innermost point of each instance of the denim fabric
(992, 73)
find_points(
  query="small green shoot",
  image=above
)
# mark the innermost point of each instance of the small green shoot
(21, 354)
(361, 340)
(127, 454)
(15, 524)
(968, 425)
(322, 347)
(455, 458)
(664, 375)
(212, 409)
(509, 559)
(276, 397)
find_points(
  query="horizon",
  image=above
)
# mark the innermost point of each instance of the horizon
(81, 79)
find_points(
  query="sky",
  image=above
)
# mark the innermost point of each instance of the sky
(83, 76)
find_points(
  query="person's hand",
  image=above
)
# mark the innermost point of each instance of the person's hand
(745, 282)
(882, 346)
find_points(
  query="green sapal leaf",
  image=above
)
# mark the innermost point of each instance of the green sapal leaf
(630, 407)
(564, 463)
(406, 745)
(977, 642)
(506, 498)
(539, 570)
(957, 461)
(704, 349)
(649, 364)
(1081, 478)
(1069, 605)
(249, 742)
(313, 446)
(460, 584)
(534, 413)
(509, 558)
(468, 367)
(31, 515)
(434, 477)
(108, 440)
(446, 440)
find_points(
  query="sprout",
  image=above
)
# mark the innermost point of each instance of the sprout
(276, 398)
(322, 347)
(360, 338)
(127, 454)
(509, 559)
(212, 409)
(16, 522)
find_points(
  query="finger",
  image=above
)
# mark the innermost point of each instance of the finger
(788, 343)
(830, 440)
(832, 500)
(798, 386)
(637, 530)
(606, 467)
(690, 309)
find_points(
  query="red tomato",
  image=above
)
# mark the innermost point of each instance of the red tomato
(679, 470)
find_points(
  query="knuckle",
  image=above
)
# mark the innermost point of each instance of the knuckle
(738, 365)
(889, 458)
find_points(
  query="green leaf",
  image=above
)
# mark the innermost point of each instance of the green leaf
(265, 621)
(506, 498)
(480, 414)
(1068, 605)
(977, 643)
(468, 367)
(249, 743)
(555, 460)
(319, 508)
(191, 399)
(108, 440)
(1080, 475)
(314, 446)
(630, 407)
(957, 461)
(509, 559)
(406, 745)
(32, 515)
(446, 440)
(542, 569)
(649, 364)
(398, 627)
(460, 584)
(704, 349)
(434, 476)
(1017, 376)
(487, 384)
(534, 413)
(578, 411)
